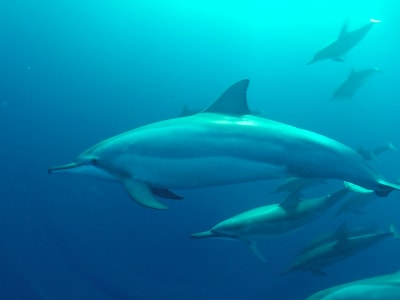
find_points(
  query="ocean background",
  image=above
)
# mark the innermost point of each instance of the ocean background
(73, 73)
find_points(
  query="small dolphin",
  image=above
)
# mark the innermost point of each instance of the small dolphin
(296, 183)
(341, 231)
(273, 219)
(355, 204)
(336, 250)
(353, 82)
(224, 144)
(371, 154)
(386, 287)
(344, 42)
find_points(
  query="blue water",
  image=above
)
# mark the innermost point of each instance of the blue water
(75, 72)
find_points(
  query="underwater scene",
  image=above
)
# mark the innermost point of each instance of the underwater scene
(170, 149)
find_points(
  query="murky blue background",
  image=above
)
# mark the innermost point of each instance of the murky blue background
(75, 72)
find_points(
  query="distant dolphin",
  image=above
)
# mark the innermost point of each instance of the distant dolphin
(343, 230)
(222, 145)
(273, 219)
(353, 82)
(355, 204)
(333, 251)
(386, 287)
(371, 154)
(293, 184)
(344, 42)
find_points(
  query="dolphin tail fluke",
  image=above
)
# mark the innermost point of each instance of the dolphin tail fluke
(375, 21)
(386, 187)
(256, 251)
(141, 193)
(202, 235)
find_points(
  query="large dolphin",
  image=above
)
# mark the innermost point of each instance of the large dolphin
(332, 251)
(353, 82)
(272, 219)
(386, 287)
(344, 43)
(222, 145)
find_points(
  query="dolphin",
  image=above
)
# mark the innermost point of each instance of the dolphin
(272, 219)
(342, 230)
(224, 144)
(343, 44)
(371, 154)
(353, 82)
(385, 287)
(333, 251)
(295, 183)
(355, 204)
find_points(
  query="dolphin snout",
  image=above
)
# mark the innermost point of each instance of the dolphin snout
(63, 167)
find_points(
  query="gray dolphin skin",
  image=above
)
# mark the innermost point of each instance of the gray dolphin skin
(343, 230)
(371, 154)
(333, 251)
(355, 204)
(385, 287)
(343, 44)
(222, 145)
(354, 81)
(295, 183)
(273, 219)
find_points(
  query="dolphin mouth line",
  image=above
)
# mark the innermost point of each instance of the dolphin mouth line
(64, 167)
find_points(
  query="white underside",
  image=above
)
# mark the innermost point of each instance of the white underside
(365, 292)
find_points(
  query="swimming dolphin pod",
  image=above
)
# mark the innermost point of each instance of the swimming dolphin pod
(273, 219)
(343, 44)
(224, 144)
(386, 287)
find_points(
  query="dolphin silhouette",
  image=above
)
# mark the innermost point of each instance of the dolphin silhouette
(354, 81)
(272, 219)
(385, 287)
(333, 251)
(343, 44)
(222, 145)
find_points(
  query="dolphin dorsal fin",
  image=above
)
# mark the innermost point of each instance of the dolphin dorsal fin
(291, 203)
(344, 30)
(233, 101)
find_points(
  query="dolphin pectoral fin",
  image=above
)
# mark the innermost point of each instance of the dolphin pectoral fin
(142, 194)
(338, 59)
(256, 251)
(164, 193)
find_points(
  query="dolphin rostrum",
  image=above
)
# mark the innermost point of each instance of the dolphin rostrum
(344, 43)
(385, 287)
(272, 219)
(224, 144)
